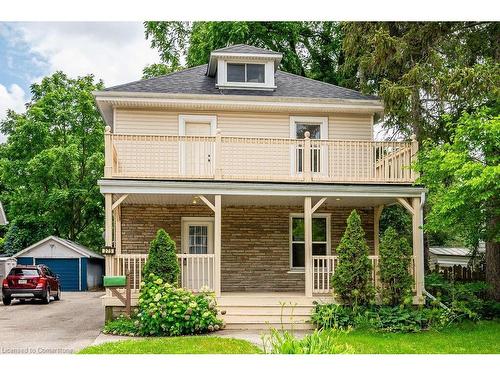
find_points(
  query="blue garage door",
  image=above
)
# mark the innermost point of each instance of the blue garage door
(67, 269)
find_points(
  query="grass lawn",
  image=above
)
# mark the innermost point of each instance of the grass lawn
(473, 338)
(175, 345)
(482, 337)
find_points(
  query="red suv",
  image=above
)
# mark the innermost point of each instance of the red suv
(25, 282)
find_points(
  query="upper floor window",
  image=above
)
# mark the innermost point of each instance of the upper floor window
(246, 73)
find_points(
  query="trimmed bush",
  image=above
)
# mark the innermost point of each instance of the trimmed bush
(395, 262)
(165, 310)
(162, 258)
(351, 280)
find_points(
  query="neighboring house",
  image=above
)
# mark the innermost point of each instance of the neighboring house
(444, 257)
(78, 268)
(6, 264)
(253, 172)
(3, 218)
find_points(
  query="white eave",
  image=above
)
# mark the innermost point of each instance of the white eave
(107, 100)
(214, 56)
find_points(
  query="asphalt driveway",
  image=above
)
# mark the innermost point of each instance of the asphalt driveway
(64, 326)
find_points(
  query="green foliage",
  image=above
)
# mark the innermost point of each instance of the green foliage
(397, 217)
(50, 164)
(165, 310)
(467, 300)
(380, 318)
(424, 70)
(318, 342)
(351, 280)
(394, 266)
(162, 258)
(156, 70)
(122, 325)
(312, 49)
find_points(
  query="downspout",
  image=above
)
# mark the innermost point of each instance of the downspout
(426, 293)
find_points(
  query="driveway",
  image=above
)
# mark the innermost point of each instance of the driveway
(64, 326)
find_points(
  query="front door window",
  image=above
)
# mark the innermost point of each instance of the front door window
(198, 239)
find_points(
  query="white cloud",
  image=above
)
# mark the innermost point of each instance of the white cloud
(13, 98)
(113, 51)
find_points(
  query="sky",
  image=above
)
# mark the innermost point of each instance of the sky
(115, 52)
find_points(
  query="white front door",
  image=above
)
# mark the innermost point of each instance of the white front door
(198, 240)
(198, 153)
(318, 129)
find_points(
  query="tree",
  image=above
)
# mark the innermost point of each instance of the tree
(155, 70)
(463, 178)
(162, 258)
(395, 261)
(312, 49)
(50, 164)
(351, 280)
(424, 70)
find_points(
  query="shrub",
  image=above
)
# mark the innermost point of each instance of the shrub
(122, 325)
(162, 258)
(351, 280)
(332, 315)
(379, 318)
(395, 262)
(318, 342)
(165, 310)
(466, 300)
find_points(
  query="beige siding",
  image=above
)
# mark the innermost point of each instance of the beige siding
(350, 126)
(269, 125)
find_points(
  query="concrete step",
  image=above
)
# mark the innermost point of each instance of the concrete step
(265, 327)
(267, 310)
(257, 319)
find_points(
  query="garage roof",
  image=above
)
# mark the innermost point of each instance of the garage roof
(82, 250)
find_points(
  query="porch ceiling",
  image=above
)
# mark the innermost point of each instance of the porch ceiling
(240, 200)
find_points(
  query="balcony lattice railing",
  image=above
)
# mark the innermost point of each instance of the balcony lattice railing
(258, 159)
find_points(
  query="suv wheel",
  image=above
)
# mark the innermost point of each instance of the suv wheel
(6, 300)
(58, 295)
(46, 297)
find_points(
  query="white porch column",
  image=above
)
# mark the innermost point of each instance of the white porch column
(418, 250)
(308, 246)
(217, 244)
(108, 228)
(377, 212)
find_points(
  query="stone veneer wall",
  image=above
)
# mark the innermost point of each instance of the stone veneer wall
(255, 240)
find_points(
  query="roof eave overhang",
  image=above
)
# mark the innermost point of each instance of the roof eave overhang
(107, 100)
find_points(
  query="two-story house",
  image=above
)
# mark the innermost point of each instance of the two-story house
(253, 172)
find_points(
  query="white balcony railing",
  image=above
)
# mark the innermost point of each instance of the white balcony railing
(255, 159)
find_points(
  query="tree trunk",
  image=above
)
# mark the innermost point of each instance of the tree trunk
(492, 260)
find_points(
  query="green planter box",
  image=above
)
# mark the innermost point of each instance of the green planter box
(115, 281)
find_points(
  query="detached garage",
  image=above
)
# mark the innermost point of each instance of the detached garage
(77, 267)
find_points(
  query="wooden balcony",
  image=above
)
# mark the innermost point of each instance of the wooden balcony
(258, 159)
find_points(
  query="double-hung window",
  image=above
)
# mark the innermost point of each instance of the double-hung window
(254, 73)
(320, 238)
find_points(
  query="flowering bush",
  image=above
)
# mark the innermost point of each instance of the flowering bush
(165, 310)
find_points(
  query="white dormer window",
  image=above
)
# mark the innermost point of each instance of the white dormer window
(246, 73)
(244, 67)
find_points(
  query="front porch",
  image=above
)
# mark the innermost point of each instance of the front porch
(249, 251)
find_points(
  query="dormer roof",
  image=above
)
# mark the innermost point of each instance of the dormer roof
(242, 51)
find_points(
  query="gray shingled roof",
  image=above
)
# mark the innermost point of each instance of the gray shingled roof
(195, 81)
(245, 48)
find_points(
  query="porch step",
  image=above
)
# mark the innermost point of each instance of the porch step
(265, 327)
(267, 310)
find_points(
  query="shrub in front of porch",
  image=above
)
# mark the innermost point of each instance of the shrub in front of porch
(165, 310)
(162, 258)
(394, 268)
(352, 278)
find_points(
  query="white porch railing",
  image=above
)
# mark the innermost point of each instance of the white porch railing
(253, 159)
(197, 271)
(324, 267)
(133, 263)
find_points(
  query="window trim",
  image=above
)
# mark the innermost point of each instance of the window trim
(269, 73)
(328, 242)
(201, 220)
